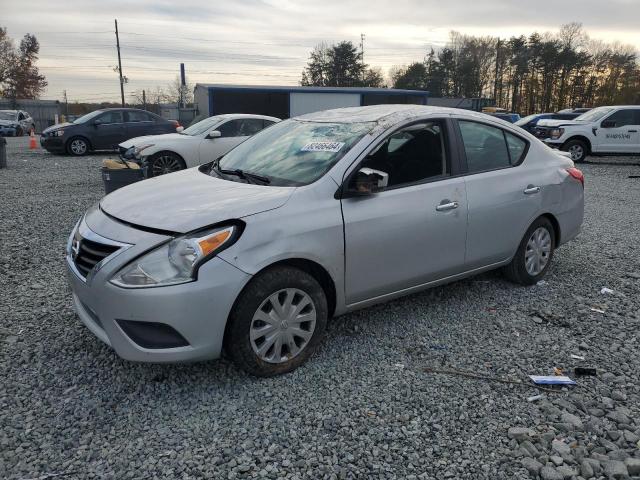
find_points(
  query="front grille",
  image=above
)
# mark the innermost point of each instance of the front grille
(87, 254)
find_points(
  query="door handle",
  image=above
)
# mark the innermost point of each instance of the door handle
(531, 189)
(443, 207)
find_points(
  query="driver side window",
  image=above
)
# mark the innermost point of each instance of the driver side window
(411, 155)
(231, 128)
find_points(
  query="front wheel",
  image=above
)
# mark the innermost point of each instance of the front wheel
(165, 162)
(277, 322)
(578, 150)
(533, 258)
(77, 146)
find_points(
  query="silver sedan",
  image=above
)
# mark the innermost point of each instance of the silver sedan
(311, 218)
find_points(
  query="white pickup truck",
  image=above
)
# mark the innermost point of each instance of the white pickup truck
(601, 131)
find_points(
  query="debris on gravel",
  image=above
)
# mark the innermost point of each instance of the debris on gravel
(69, 406)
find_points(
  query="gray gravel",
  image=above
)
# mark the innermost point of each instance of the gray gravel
(364, 406)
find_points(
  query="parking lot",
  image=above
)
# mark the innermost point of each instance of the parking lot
(434, 385)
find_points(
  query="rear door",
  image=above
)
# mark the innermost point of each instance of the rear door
(619, 132)
(503, 199)
(412, 232)
(108, 130)
(139, 123)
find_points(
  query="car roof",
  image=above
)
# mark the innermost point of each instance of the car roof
(376, 113)
(245, 115)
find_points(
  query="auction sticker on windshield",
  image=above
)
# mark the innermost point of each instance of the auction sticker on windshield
(322, 147)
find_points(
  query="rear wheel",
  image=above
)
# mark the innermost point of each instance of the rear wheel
(277, 322)
(165, 162)
(578, 150)
(533, 258)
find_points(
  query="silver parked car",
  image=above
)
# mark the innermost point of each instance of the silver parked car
(311, 218)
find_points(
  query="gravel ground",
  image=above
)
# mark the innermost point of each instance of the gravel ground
(367, 405)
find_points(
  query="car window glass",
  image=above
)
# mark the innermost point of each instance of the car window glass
(411, 155)
(110, 117)
(250, 126)
(622, 118)
(636, 117)
(20, 116)
(267, 123)
(134, 116)
(485, 146)
(516, 146)
(231, 128)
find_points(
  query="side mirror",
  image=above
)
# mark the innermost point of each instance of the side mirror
(368, 181)
(214, 134)
(608, 124)
(96, 122)
(180, 129)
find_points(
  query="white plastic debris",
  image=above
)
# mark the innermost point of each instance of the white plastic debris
(399, 365)
(535, 398)
(541, 283)
(597, 310)
(577, 357)
(551, 380)
(606, 291)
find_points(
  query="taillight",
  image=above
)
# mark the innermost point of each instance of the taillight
(577, 174)
(176, 123)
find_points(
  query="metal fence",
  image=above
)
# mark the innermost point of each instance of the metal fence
(43, 111)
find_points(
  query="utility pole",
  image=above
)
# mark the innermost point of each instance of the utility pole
(144, 100)
(66, 104)
(362, 54)
(119, 65)
(183, 86)
(495, 84)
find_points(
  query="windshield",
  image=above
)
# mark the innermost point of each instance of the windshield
(8, 115)
(295, 152)
(527, 119)
(593, 115)
(202, 126)
(88, 116)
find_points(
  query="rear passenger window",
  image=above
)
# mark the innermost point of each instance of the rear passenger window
(516, 146)
(133, 116)
(485, 147)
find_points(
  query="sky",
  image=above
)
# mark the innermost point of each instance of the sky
(267, 42)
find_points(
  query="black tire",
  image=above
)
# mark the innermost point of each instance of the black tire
(516, 271)
(577, 147)
(19, 132)
(162, 163)
(237, 337)
(74, 146)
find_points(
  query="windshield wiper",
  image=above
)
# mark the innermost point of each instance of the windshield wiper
(248, 176)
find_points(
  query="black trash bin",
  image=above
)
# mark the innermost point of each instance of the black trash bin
(114, 179)
(3, 152)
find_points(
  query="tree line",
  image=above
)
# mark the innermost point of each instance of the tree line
(19, 74)
(538, 73)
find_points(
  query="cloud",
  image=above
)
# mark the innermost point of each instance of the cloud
(268, 41)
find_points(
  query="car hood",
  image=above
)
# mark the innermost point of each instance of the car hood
(557, 123)
(187, 200)
(166, 138)
(57, 126)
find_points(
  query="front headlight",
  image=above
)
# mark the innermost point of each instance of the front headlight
(557, 132)
(57, 133)
(138, 150)
(176, 261)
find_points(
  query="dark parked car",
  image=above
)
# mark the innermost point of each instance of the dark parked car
(509, 117)
(103, 130)
(530, 122)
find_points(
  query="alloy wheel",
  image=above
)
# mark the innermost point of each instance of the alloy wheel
(538, 251)
(165, 164)
(283, 325)
(78, 147)
(577, 152)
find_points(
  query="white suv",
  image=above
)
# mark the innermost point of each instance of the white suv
(601, 131)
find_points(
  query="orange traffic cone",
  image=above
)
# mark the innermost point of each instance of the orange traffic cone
(32, 141)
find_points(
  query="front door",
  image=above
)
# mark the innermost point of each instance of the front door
(413, 231)
(109, 130)
(619, 132)
(232, 135)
